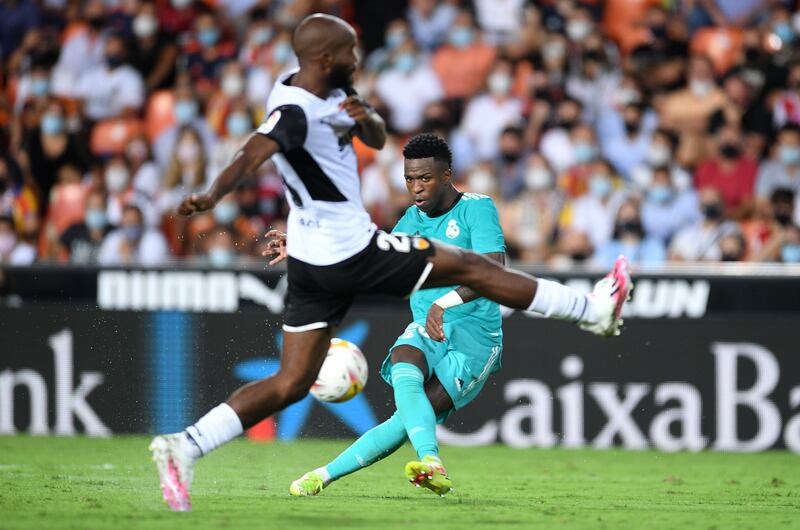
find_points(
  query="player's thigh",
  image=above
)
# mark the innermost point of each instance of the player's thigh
(405, 353)
(303, 353)
(453, 266)
(438, 396)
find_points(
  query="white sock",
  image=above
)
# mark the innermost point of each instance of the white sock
(219, 426)
(323, 472)
(554, 300)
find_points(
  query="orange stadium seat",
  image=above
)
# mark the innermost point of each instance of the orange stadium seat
(109, 137)
(721, 45)
(159, 115)
(622, 21)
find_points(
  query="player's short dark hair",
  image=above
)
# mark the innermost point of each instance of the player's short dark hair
(428, 145)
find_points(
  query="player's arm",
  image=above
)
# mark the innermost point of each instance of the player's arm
(370, 127)
(244, 164)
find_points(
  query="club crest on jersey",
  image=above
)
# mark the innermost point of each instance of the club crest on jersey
(452, 229)
(272, 120)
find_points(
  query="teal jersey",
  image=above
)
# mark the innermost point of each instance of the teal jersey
(472, 224)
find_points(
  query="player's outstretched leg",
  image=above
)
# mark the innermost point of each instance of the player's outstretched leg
(176, 454)
(597, 312)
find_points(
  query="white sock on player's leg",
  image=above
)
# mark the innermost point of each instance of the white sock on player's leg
(323, 472)
(218, 427)
(554, 300)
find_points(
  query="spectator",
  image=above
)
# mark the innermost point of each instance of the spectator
(16, 19)
(187, 114)
(207, 52)
(186, 172)
(33, 89)
(146, 178)
(666, 208)
(83, 51)
(12, 250)
(628, 151)
(731, 172)
(114, 89)
(732, 247)
(465, 61)
(583, 146)
(629, 239)
(593, 213)
(383, 187)
(439, 119)
(132, 243)
(556, 144)
(153, 53)
(499, 19)
(783, 169)
(122, 190)
(430, 21)
(231, 90)
(397, 35)
(700, 241)
(220, 248)
(491, 113)
(509, 165)
(407, 87)
(238, 126)
(786, 104)
(277, 57)
(17, 201)
(661, 153)
(773, 236)
(80, 243)
(790, 248)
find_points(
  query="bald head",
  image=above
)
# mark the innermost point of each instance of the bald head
(318, 34)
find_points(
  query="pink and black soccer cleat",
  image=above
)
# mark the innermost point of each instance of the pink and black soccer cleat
(175, 467)
(608, 297)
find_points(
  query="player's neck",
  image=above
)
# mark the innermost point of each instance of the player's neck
(317, 85)
(448, 202)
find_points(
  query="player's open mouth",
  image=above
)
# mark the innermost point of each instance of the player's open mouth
(419, 202)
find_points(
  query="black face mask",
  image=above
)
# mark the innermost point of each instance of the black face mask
(630, 227)
(579, 256)
(631, 127)
(751, 54)
(3, 186)
(96, 22)
(729, 151)
(730, 257)
(568, 124)
(510, 158)
(250, 210)
(113, 61)
(712, 211)
(435, 124)
(340, 77)
(783, 219)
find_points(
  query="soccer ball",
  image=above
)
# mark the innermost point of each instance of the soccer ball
(343, 374)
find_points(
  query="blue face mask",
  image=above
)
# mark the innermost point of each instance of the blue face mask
(584, 152)
(282, 52)
(405, 62)
(225, 213)
(220, 257)
(96, 219)
(461, 37)
(132, 233)
(40, 87)
(185, 111)
(600, 186)
(660, 193)
(208, 37)
(261, 36)
(790, 253)
(395, 39)
(784, 32)
(789, 155)
(237, 124)
(52, 124)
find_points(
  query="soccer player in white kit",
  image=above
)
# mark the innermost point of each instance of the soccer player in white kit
(334, 252)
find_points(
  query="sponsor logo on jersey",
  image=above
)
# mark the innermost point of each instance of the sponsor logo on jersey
(420, 243)
(271, 122)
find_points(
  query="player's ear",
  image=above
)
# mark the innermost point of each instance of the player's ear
(447, 175)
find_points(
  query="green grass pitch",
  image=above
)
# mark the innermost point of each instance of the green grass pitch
(110, 483)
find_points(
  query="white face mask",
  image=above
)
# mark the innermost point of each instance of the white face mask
(187, 151)
(538, 178)
(700, 88)
(145, 26)
(181, 4)
(481, 182)
(116, 178)
(658, 155)
(577, 30)
(232, 85)
(7, 243)
(499, 84)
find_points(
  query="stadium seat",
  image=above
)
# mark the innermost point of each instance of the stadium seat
(622, 21)
(110, 137)
(721, 45)
(159, 115)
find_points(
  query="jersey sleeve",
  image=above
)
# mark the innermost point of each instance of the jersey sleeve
(287, 125)
(484, 225)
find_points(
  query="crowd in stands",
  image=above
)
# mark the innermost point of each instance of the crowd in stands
(668, 131)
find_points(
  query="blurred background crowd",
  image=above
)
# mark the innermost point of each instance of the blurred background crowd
(665, 130)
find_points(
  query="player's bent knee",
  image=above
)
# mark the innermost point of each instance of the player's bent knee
(292, 389)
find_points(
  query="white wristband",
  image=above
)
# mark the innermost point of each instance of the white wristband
(449, 299)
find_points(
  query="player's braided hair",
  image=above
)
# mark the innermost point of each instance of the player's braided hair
(427, 145)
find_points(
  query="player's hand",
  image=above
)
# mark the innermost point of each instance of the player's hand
(195, 203)
(276, 246)
(434, 323)
(356, 108)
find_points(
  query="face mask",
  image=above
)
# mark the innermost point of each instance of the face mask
(789, 253)
(553, 50)
(630, 227)
(114, 61)
(52, 124)
(658, 155)
(784, 32)
(187, 151)
(626, 96)
(712, 211)
(185, 111)
(232, 85)
(481, 182)
(116, 179)
(461, 37)
(96, 23)
(95, 219)
(510, 157)
(237, 124)
(577, 30)
(7, 243)
(261, 36)
(395, 39)
(499, 84)
(600, 186)
(783, 219)
(181, 4)
(726, 256)
(789, 155)
(729, 151)
(631, 127)
(40, 87)
(660, 193)
(225, 213)
(132, 233)
(538, 178)
(584, 152)
(405, 62)
(208, 37)
(700, 88)
(282, 52)
(145, 26)
(220, 257)
(137, 151)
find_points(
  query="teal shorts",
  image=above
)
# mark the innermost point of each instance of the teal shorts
(462, 363)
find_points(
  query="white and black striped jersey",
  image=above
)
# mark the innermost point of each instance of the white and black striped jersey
(327, 220)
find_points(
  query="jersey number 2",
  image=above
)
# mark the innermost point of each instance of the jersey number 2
(400, 243)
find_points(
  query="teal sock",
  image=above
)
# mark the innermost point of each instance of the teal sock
(415, 409)
(375, 444)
